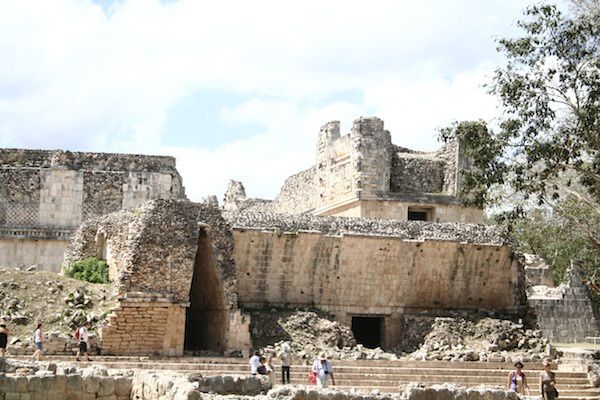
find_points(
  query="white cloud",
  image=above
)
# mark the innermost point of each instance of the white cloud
(76, 77)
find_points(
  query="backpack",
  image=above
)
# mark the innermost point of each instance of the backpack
(76, 335)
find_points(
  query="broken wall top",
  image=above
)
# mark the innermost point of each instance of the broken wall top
(85, 160)
(407, 230)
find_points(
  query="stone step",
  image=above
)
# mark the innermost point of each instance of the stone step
(382, 379)
(561, 375)
(243, 361)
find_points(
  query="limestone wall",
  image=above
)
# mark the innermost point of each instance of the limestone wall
(144, 324)
(46, 254)
(373, 275)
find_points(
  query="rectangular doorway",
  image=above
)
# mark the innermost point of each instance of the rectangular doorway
(367, 331)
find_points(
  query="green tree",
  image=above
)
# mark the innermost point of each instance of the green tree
(547, 146)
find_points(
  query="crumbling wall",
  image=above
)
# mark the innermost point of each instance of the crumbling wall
(151, 252)
(417, 174)
(565, 314)
(362, 174)
(298, 194)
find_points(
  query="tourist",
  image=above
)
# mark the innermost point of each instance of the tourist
(548, 382)
(38, 340)
(4, 333)
(254, 363)
(285, 355)
(324, 370)
(269, 368)
(81, 335)
(262, 368)
(517, 381)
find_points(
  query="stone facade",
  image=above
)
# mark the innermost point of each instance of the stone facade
(362, 174)
(48, 194)
(378, 269)
(182, 270)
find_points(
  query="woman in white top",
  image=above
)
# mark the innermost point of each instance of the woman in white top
(38, 340)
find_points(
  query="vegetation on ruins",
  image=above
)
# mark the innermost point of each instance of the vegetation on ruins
(540, 168)
(90, 270)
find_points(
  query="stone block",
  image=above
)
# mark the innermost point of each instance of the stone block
(56, 395)
(11, 396)
(74, 383)
(25, 396)
(39, 395)
(73, 394)
(111, 397)
(34, 384)
(122, 386)
(21, 384)
(91, 384)
(8, 384)
(88, 396)
(107, 387)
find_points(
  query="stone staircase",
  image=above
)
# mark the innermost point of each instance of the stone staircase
(366, 375)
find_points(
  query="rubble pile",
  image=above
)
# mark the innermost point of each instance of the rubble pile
(308, 334)
(486, 339)
(60, 304)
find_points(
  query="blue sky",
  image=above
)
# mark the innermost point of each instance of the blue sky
(238, 89)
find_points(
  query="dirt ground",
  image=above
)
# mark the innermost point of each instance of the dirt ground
(58, 302)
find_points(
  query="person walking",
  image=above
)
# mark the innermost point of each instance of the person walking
(38, 340)
(286, 360)
(323, 368)
(548, 382)
(517, 382)
(4, 334)
(82, 335)
(254, 363)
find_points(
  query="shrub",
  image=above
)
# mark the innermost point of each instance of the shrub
(89, 270)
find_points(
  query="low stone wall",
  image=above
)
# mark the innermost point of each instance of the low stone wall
(59, 387)
(63, 382)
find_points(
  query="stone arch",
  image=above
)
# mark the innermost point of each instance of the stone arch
(207, 317)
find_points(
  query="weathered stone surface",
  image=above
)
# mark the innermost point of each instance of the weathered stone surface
(406, 230)
(565, 314)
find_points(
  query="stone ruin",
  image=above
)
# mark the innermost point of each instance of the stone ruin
(46, 194)
(362, 174)
(372, 234)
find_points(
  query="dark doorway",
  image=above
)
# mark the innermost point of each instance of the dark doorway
(367, 331)
(417, 215)
(206, 317)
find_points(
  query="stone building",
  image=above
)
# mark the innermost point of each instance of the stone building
(46, 195)
(362, 174)
(183, 273)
